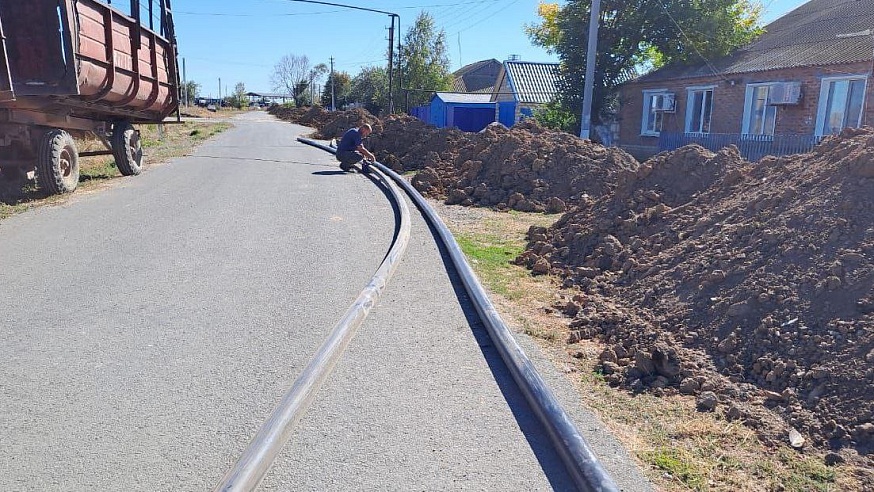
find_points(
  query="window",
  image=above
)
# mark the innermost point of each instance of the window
(841, 101)
(655, 104)
(699, 109)
(759, 116)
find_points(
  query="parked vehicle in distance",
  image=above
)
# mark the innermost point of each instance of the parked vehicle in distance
(77, 68)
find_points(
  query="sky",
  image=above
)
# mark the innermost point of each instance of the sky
(242, 41)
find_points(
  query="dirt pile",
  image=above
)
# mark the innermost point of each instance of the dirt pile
(524, 168)
(328, 124)
(749, 285)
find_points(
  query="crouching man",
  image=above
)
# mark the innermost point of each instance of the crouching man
(350, 149)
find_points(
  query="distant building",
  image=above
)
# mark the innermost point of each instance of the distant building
(489, 91)
(268, 98)
(522, 87)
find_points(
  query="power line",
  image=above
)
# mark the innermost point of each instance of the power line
(223, 14)
(485, 18)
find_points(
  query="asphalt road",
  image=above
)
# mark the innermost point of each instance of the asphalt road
(149, 329)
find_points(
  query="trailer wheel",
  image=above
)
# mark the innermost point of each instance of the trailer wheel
(127, 149)
(57, 162)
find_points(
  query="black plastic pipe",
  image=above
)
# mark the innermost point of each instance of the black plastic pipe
(257, 459)
(580, 462)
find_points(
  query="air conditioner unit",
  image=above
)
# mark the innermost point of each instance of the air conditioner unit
(784, 93)
(666, 103)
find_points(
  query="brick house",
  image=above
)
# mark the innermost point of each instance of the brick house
(808, 76)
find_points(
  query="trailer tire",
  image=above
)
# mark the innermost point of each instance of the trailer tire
(127, 149)
(57, 162)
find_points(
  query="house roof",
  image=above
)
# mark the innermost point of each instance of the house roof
(451, 97)
(533, 82)
(476, 77)
(818, 33)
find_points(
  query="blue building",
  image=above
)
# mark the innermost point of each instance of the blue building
(522, 87)
(467, 112)
(489, 91)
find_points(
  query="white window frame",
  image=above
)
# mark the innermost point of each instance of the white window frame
(648, 94)
(690, 100)
(748, 103)
(823, 99)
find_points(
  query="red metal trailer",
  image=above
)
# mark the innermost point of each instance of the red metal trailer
(79, 67)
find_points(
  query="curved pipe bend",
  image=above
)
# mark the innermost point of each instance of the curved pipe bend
(579, 460)
(257, 459)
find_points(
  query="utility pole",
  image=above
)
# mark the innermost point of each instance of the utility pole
(591, 55)
(333, 107)
(220, 92)
(185, 84)
(391, 56)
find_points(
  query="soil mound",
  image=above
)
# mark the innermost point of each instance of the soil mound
(328, 124)
(709, 275)
(750, 285)
(524, 168)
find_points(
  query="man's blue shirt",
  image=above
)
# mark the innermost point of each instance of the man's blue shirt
(350, 141)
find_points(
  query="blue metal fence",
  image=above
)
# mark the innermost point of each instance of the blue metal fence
(422, 112)
(752, 147)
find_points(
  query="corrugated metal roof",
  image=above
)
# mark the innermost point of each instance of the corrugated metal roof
(820, 32)
(451, 97)
(533, 82)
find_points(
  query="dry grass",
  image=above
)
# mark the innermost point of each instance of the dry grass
(198, 112)
(678, 447)
(160, 145)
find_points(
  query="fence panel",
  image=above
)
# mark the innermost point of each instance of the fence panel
(752, 147)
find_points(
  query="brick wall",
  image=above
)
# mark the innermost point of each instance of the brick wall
(728, 103)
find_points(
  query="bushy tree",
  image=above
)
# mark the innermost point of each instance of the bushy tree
(424, 61)
(239, 99)
(638, 35)
(342, 84)
(315, 78)
(553, 115)
(370, 88)
(190, 90)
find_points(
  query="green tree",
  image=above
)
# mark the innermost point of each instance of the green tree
(190, 90)
(370, 88)
(553, 115)
(315, 78)
(342, 84)
(424, 61)
(301, 94)
(239, 97)
(638, 35)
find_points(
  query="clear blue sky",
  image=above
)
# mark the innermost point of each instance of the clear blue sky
(242, 41)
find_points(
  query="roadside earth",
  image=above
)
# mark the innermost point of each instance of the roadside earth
(678, 446)
(736, 290)
(96, 173)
